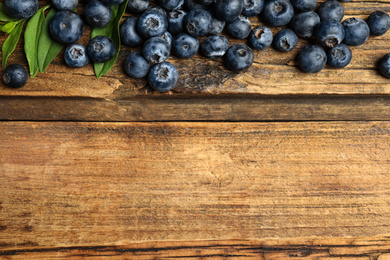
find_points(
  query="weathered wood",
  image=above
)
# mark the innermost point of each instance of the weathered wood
(113, 184)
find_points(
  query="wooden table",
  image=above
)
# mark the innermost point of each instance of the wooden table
(270, 163)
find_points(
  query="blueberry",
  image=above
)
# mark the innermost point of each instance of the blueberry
(285, 40)
(97, 13)
(197, 22)
(101, 49)
(192, 4)
(137, 6)
(156, 50)
(15, 76)
(185, 46)
(228, 10)
(261, 37)
(303, 24)
(331, 10)
(214, 47)
(303, 5)
(21, 9)
(206, 2)
(67, 5)
(129, 33)
(240, 28)
(136, 66)
(356, 31)
(379, 23)
(329, 33)
(277, 12)
(112, 2)
(157, 9)
(163, 76)
(76, 55)
(384, 65)
(176, 21)
(152, 22)
(66, 27)
(167, 37)
(216, 26)
(252, 7)
(312, 58)
(239, 57)
(170, 4)
(339, 56)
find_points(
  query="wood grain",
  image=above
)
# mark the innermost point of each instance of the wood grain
(80, 185)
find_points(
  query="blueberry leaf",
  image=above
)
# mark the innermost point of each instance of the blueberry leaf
(48, 48)
(10, 43)
(8, 27)
(31, 37)
(4, 16)
(110, 30)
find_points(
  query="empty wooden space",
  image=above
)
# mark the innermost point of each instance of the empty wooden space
(269, 163)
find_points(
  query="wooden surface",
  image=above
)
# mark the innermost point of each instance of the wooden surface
(270, 163)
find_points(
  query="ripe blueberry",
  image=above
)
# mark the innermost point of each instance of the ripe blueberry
(101, 49)
(379, 23)
(239, 57)
(261, 37)
(240, 28)
(66, 27)
(185, 46)
(197, 22)
(137, 6)
(214, 47)
(152, 22)
(277, 12)
(384, 65)
(15, 76)
(136, 66)
(252, 7)
(163, 76)
(67, 5)
(303, 24)
(329, 33)
(112, 2)
(97, 14)
(356, 31)
(285, 40)
(303, 5)
(156, 50)
(216, 26)
(228, 10)
(170, 4)
(176, 21)
(312, 58)
(129, 33)
(331, 10)
(76, 55)
(21, 9)
(339, 56)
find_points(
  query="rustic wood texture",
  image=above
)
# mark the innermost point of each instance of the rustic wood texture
(66, 188)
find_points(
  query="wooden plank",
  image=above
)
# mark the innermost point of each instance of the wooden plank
(80, 185)
(273, 73)
(210, 108)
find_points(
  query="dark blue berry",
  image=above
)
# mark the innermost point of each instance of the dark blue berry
(285, 40)
(113, 2)
(303, 5)
(97, 14)
(240, 28)
(137, 6)
(356, 31)
(331, 10)
(339, 56)
(214, 47)
(228, 10)
(384, 65)
(76, 55)
(129, 33)
(170, 4)
(261, 37)
(66, 27)
(176, 21)
(21, 9)
(192, 5)
(277, 12)
(252, 7)
(216, 26)
(156, 50)
(329, 33)
(152, 23)
(379, 23)
(136, 66)
(312, 58)
(101, 49)
(206, 2)
(163, 76)
(167, 37)
(197, 22)
(15, 76)
(239, 57)
(185, 46)
(304, 24)
(67, 5)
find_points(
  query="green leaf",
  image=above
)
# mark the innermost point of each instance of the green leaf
(112, 31)
(10, 43)
(48, 49)
(31, 37)
(4, 16)
(8, 27)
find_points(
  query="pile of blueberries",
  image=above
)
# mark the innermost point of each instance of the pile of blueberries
(175, 26)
